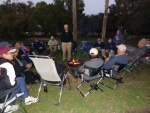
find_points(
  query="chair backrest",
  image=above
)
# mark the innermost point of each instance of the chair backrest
(45, 66)
(118, 67)
(91, 71)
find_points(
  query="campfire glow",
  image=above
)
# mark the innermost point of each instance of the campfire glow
(74, 62)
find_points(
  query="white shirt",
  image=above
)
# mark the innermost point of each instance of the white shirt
(10, 72)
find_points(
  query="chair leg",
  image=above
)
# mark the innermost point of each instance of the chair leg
(69, 83)
(39, 90)
(19, 101)
(119, 80)
(3, 107)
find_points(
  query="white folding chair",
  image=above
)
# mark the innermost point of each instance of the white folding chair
(45, 66)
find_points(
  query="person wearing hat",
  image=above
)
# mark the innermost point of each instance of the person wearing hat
(66, 41)
(121, 57)
(5, 58)
(139, 51)
(95, 61)
(52, 45)
(118, 38)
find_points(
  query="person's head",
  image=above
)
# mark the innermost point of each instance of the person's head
(66, 27)
(36, 40)
(118, 32)
(121, 49)
(99, 40)
(93, 53)
(52, 38)
(142, 43)
(5, 52)
(15, 54)
(148, 41)
(21, 43)
(18, 45)
(110, 40)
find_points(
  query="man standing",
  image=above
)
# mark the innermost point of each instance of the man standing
(118, 38)
(66, 41)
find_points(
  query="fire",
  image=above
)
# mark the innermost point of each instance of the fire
(74, 62)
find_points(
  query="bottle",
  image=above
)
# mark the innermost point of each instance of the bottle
(45, 88)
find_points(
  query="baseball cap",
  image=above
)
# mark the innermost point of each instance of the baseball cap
(122, 47)
(6, 49)
(143, 41)
(93, 51)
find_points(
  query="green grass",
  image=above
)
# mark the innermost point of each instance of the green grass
(130, 97)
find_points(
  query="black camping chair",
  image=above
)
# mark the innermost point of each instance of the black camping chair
(88, 75)
(5, 95)
(117, 68)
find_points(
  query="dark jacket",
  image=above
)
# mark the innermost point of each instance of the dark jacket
(36, 45)
(67, 36)
(101, 45)
(110, 46)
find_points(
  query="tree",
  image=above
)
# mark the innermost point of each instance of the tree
(105, 20)
(74, 20)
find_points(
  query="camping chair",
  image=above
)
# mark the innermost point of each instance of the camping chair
(118, 68)
(46, 68)
(85, 47)
(5, 94)
(90, 74)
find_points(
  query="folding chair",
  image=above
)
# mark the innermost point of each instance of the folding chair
(118, 68)
(88, 75)
(46, 68)
(85, 47)
(5, 94)
(132, 65)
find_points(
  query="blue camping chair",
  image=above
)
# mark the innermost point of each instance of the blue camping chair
(85, 47)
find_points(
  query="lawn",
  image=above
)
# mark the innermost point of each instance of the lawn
(131, 97)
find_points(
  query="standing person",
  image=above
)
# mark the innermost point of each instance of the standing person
(66, 40)
(118, 38)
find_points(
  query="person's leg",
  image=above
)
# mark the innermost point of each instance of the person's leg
(27, 59)
(55, 48)
(111, 53)
(103, 53)
(69, 45)
(64, 48)
(22, 89)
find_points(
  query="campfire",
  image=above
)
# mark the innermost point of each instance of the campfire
(74, 62)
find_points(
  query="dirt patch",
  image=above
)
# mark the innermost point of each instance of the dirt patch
(138, 110)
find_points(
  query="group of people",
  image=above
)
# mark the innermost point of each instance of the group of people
(110, 47)
(122, 56)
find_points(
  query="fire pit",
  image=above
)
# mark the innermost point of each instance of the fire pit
(75, 62)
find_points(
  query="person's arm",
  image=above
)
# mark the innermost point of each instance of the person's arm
(109, 64)
(49, 42)
(10, 72)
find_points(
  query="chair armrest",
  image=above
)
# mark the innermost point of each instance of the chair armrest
(6, 92)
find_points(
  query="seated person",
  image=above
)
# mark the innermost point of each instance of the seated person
(24, 71)
(5, 58)
(22, 54)
(52, 45)
(118, 38)
(100, 46)
(121, 57)
(95, 61)
(139, 51)
(110, 48)
(37, 45)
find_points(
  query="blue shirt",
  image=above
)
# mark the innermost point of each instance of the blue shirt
(101, 45)
(120, 37)
(122, 59)
(110, 46)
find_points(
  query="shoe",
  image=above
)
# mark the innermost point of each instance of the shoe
(11, 108)
(29, 100)
(19, 94)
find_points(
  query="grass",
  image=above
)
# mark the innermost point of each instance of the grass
(130, 97)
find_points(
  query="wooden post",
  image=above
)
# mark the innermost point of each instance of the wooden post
(105, 20)
(74, 10)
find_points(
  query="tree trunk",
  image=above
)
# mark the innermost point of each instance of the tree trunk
(74, 8)
(105, 20)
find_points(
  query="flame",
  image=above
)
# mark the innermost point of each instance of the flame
(74, 62)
